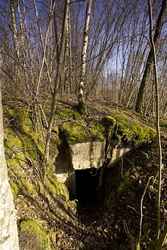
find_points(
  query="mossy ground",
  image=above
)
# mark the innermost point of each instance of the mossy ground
(24, 148)
(67, 113)
(34, 236)
(79, 131)
(129, 128)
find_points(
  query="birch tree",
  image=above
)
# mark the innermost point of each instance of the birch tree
(84, 55)
(13, 6)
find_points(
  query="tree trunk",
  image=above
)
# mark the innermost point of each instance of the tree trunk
(14, 26)
(157, 119)
(150, 57)
(84, 55)
(67, 55)
(8, 228)
(57, 83)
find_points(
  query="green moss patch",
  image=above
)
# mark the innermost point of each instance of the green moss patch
(108, 121)
(53, 186)
(67, 113)
(34, 236)
(24, 149)
(126, 126)
(75, 131)
(97, 131)
(20, 121)
(79, 131)
(131, 129)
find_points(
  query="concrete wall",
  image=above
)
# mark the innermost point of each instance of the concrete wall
(82, 156)
(87, 155)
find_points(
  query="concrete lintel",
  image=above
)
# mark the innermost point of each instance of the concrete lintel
(87, 155)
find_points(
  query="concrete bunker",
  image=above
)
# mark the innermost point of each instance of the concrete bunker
(84, 149)
(79, 167)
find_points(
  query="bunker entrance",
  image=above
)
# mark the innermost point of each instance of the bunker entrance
(87, 187)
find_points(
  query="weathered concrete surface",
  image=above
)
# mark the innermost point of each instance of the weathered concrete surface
(87, 155)
(8, 228)
(118, 152)
(82, 156)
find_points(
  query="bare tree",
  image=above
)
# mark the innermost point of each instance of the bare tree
(57, 82)
(156, 36)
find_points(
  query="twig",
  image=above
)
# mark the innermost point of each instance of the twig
(141, 207)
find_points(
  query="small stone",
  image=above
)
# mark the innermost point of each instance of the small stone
(105, 230)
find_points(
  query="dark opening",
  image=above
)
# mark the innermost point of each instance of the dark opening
(86, 187)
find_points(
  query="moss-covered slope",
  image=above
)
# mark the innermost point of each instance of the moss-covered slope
(36, 199)
(34, 236)
(129, 129)
(42, 204)
(24, 149)
(122, 124)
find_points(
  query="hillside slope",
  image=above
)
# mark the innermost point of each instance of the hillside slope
(47, 218)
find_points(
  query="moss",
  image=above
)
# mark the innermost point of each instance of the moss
(21, 124)
(68, 113)
(16, 143)
(79, 131)
(34, 236)
(17, 155)
(54, 186)
(19, 118)
(131, 129)
(54, 144)
(20, 179)
(11, 139)
(29, 187)
(24, 148)
(25, 123)
(108, 121)
(97, 131)
(15, 189)
(75, 132)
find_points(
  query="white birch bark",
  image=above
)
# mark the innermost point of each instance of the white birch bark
(14, 26)
(84, 51)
